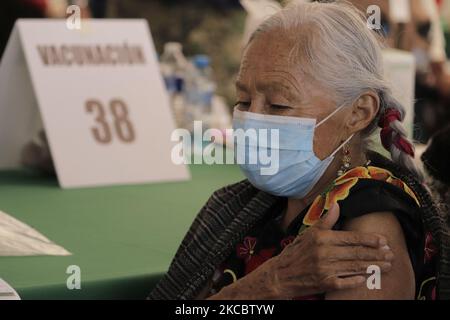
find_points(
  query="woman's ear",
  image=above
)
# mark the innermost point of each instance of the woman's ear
(364, 110)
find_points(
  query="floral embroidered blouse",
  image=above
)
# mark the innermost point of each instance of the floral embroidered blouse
(359, 191)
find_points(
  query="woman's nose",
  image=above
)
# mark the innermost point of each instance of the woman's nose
(257, 106)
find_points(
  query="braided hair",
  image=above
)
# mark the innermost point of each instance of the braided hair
(393, 135)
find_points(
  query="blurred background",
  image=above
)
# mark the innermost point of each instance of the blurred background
(211, 27)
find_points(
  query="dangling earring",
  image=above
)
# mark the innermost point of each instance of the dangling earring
(346, 161)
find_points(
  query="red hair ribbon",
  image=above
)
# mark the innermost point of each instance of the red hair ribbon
(390, 115)
(387, 133)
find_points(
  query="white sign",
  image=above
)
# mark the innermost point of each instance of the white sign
(400, 11)
(400, 70)
(101, 98)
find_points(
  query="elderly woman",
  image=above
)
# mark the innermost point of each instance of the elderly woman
(314, 72)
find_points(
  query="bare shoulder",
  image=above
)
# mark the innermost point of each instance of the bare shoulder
(384, 223)
(399, 283)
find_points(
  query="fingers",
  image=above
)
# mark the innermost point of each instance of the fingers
(345, 238)
(359, 253)
(349, 275)
(344, 283)
(329, 220)
(353, 238)
(347, 268)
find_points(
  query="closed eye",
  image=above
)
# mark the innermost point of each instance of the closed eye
(279, 107)
(242, 104)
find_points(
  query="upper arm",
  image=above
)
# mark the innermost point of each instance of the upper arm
(399, 282)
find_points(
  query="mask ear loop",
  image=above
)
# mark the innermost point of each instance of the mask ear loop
(330, 115)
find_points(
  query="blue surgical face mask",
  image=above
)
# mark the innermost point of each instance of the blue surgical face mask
(299, 169)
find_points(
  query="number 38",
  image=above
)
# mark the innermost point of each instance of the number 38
(121, 122)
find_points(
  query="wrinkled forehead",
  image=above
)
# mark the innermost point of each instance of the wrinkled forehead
(269, 59)
(272, 49)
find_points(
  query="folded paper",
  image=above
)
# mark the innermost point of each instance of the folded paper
(19, 239)
(7, 292)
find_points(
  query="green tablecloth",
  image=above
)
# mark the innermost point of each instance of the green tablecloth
(122, 238)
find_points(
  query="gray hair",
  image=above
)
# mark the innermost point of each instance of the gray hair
(335, 47)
